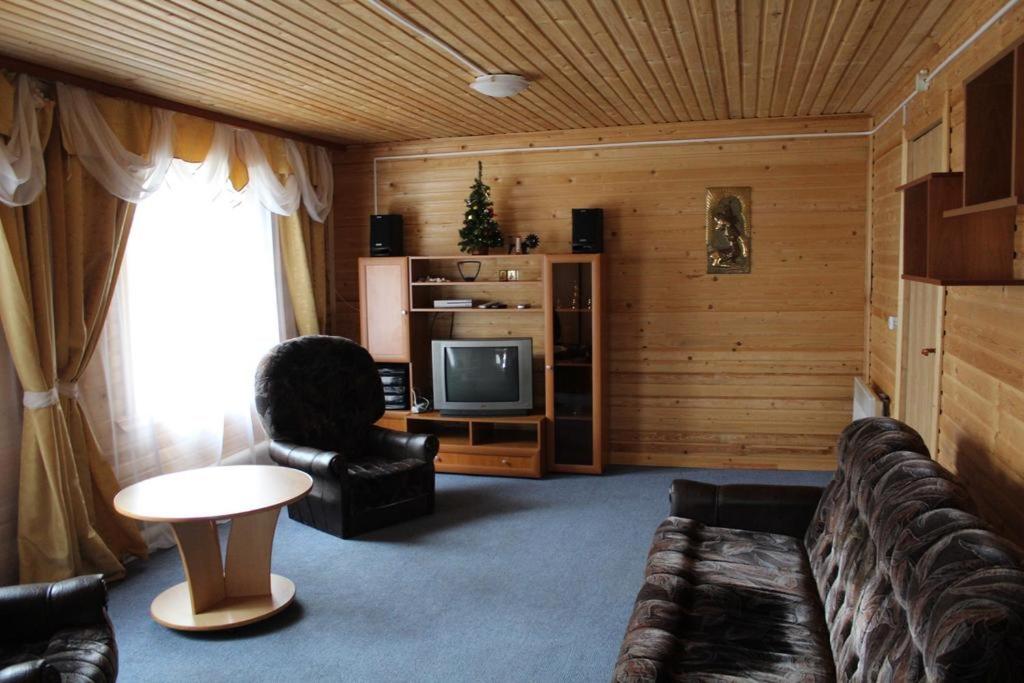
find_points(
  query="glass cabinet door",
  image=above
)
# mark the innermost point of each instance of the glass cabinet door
(574, 363)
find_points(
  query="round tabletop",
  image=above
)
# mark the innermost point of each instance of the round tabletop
(212, 493)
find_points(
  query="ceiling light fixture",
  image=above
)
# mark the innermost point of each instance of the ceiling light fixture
(492, 85)
(500, 85)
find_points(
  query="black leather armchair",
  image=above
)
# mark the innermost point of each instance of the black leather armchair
(319, 397)
(57, 632)
(776, 509)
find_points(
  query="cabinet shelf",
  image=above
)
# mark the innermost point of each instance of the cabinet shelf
(947, 243)
(479, 283)
(510, 309)
(950, 282)
(993, 205)
(477, 257)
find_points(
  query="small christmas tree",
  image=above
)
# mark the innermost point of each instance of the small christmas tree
(479, 229)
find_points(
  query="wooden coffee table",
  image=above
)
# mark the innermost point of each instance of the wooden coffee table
(240, 589)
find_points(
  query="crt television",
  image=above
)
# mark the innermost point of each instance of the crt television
(483, 376)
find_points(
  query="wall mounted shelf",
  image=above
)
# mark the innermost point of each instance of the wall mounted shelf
(958, 228)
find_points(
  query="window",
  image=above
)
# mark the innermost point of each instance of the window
(196, 308)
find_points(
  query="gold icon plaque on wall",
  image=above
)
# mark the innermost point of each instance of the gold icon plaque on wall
(727, 225)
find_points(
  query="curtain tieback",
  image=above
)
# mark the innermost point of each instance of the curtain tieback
(68, 389)
(34, 400)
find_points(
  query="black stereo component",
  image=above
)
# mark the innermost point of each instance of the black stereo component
(587, 231)
(386, 235)
(395, 378)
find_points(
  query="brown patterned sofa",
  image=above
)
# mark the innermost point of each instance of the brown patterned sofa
(888, 577)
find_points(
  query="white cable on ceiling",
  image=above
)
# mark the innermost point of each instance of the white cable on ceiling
(437, 42)
(409, 24)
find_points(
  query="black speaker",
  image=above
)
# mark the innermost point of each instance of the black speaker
(386, 235)
(587, 231)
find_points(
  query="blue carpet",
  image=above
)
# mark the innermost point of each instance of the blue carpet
(510, 580)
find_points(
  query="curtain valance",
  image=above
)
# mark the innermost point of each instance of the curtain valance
(22, 173)
(128, 147)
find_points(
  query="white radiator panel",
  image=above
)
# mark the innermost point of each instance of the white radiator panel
(866, 402)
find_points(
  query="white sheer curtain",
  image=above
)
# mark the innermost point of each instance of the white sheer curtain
(133, 178)
(22, 175)
(196, 307)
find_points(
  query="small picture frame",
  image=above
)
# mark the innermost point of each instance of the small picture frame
(513, 275)
(502, 276)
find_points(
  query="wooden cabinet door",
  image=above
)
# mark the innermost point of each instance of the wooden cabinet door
(575, 385)
(384, 307)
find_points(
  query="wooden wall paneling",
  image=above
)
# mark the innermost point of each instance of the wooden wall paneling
(982, 422)
(748, 371)
(886, 164)
(981, 411)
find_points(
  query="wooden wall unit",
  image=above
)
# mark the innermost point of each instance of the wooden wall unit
(730, 370)
(981, 421)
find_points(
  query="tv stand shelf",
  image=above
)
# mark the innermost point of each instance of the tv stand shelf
(506, 445)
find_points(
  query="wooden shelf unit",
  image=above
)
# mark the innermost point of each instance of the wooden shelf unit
(550, 439)
(958, 228)
(511, 446)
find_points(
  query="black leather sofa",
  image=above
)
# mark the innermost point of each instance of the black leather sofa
(884, 575)
(318, 397)
(57, 632)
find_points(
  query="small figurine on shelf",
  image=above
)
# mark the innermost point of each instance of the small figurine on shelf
(531, 242)
(515, 245)
(574, 298)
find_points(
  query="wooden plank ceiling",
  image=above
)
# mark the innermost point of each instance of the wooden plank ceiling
(339, 70)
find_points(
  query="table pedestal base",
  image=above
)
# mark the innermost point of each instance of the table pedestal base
(173, 607)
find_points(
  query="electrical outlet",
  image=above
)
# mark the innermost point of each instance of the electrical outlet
(893, 322)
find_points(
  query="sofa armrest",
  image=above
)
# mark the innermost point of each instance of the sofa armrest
(32, 671)
(35, 611)
(774, 509)
(393, 445)
(325, 464)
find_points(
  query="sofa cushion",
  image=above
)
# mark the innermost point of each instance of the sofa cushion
(376, 482)
(725, 604)
(914, 585)
(87, 654)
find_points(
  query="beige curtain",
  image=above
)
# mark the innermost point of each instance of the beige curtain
(90, 232)
(304, 255)
(55, 536)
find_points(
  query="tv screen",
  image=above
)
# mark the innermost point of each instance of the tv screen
(483, 376)
(487, 374)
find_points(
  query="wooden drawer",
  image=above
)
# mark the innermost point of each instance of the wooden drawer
(474, 463)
